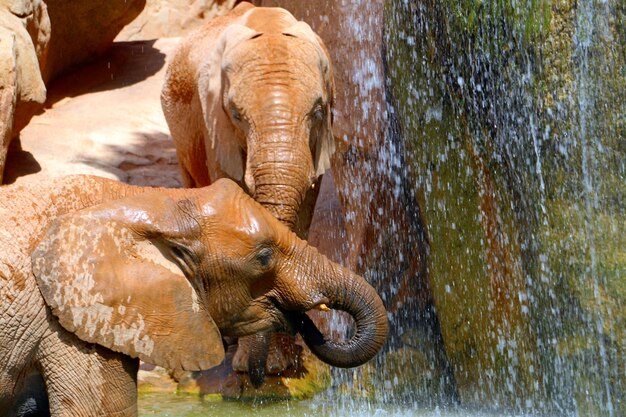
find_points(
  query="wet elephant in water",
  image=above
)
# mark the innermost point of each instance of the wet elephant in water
(96, 274)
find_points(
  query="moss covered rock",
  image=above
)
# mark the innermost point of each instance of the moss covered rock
(512, 115)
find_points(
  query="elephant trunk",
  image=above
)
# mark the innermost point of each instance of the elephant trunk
(350, 293)
(258, 346)
(281, 181)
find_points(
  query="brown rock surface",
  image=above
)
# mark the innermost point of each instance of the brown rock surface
(82, 29)
(103, 119)
(24, 36)
(8, 91)
(39, 40)
(170, 18)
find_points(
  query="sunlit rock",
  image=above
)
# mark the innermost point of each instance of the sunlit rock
(172, 18)
(8, 92)
(103, 119)
(39, 40)
(24, 37)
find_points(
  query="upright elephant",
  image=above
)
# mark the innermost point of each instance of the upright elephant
(249, 97)
(95, 275)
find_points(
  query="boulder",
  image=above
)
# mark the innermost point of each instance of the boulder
(24, 36)
(170, 18)
(83, 29)
(8, 91)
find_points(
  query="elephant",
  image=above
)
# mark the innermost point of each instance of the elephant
(249, 97)
(96, 275)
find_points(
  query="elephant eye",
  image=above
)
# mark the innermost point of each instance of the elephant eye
(236, 115)
(264, 257)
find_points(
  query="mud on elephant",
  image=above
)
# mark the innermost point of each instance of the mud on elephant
(249, 97)
(95, 274)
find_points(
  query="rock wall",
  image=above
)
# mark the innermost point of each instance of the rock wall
(513, 118)
(82, 29)
(24, 37)
(8, 91)
(167, 18)
(500, 128)
(41, 39)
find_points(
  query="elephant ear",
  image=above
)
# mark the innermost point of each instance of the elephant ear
(111, 276)
(325, 145)
(220, 132)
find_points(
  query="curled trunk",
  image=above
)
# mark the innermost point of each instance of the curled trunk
(347, 292)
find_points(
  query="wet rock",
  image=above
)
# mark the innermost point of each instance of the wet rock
(516, 172)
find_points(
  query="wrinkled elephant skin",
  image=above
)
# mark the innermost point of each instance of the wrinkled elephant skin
(96, 274)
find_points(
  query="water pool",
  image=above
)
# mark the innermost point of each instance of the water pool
(188, 405)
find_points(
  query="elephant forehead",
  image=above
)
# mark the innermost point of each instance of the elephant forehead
(233, 211)
(245, 228)
(268, 52)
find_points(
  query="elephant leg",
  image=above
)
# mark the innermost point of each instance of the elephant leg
(86, 380)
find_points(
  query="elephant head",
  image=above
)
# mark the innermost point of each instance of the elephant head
(267, 94)
(162, 276)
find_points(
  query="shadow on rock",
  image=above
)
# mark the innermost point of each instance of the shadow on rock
(148, 159)
(19, 163)
(124, 64)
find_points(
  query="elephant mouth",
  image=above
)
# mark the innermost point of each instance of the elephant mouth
(297, 322)
(285, 319)
(275, 319)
